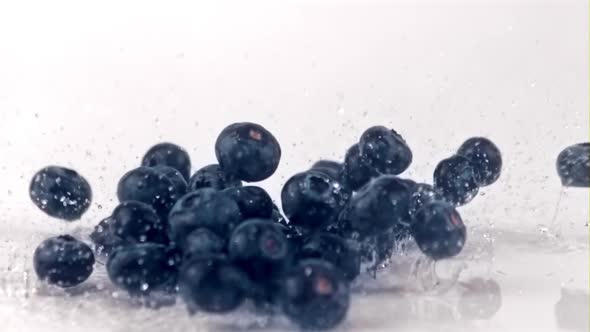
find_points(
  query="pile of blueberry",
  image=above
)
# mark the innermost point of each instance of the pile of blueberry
(217, 242)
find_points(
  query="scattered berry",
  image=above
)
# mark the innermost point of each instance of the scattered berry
(60, 192)
(333, 249)
(248, 151)
(137, 222)
(63, 261)
(202, 242)
(315, 295)
(311, 199)
(356, 173)
(254, 202)
(142, 268)
(439, 230)
(105, 238)
(422, 194)
(206, 208)
(179, 185)
(260, 247)
(329, 167)
(573, 165)
(456, 180)
(379, 206)
(212, 284)
(168, 154)
(485, 157)
(149, 186)
(385, 150)
(212, 176)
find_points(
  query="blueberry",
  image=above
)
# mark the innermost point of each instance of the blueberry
(422, 194)
(311, 199)
(379, 206)
(456, 180)
(63, 261)
(485, 157)
(212, 176)
(202, 242)
(212, 284)
(480, 299)
(439, 230)
(333, 249)
(60, 192)
(248, 151)
(315, 295)
(142, 268)
(105, 238)
(573, 165)
(356, 173)
(332, 168)
(137, 222)
(254, 202)
(168, 154)
(206, 208)
(179, 184)
(385, 150)
(260, 247)
(149, 186)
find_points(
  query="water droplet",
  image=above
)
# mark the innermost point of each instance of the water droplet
(145, 286)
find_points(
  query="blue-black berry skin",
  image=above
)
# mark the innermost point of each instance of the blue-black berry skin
(334, 249)
(212, 284)
(60, 192)
(422, 194)
(248, 151)
(456, 180)
(149, 186)
(356, 172)
(202, 242)
(385, 150)
(137, 222)
(315, 295)
(439, 230)
(213, 176)
(179, 184)
(253, 201)
(168, 154)
(63, 261)
(204, 208)
(312, 199)
(379, 206)
(332, 168)
(573, 165)
(105, 238)
(485, 157)
(142, 268)
(260, 247)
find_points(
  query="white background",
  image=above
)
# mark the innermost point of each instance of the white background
(92, 87)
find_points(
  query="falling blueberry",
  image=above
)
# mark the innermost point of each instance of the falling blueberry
(168, 154)
(573, 165)
(315, 295)
(248, 151)
(385, 150)
(485, 157)
(439, 230)
(60, 192)
(456, 180)
(356, 173)
(204, 208)
(213, 176)
(63, 261)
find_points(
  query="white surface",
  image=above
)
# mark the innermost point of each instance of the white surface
(92, 87)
